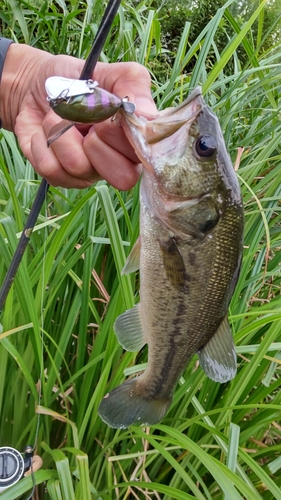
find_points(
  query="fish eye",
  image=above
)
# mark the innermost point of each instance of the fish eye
(205, 146)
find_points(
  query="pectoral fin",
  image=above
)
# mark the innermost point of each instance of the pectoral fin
(129, 331)
(173, 263)
(218, 356)
(132, 263)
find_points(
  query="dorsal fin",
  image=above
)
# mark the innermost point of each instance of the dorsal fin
(132, 263)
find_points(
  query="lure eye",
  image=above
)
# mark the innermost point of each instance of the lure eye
(205, 146)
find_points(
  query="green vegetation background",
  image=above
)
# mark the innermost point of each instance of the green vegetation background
(217, 441)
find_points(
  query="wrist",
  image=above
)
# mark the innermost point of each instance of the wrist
(18, 76)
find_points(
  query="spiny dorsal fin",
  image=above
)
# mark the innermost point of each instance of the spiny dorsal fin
(132, 263)
(218, 356)
(129, 331)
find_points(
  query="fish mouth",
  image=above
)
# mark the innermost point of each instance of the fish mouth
(196, 92)
(145, 135)
(181, 114)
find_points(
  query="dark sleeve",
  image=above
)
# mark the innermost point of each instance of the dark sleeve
(4, 45)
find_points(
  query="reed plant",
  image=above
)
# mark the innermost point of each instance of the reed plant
(217, 441)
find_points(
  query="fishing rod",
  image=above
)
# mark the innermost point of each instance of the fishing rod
(86, 74)
(13, 464)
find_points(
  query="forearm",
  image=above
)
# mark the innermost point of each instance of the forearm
(21, 67)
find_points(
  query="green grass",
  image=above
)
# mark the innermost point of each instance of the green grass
(217, 441)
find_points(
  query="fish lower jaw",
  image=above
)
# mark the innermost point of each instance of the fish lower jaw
(172, 205)
(171, 202)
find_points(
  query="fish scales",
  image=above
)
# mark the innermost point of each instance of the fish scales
(181, 319)
(191, 233)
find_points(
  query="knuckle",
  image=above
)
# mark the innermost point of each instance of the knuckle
(138, 72)
(75, 164)
(46, 168)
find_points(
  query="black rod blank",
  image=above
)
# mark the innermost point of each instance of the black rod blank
(23, 241)
(86, 73)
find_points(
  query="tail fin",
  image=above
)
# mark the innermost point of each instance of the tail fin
(126, 405)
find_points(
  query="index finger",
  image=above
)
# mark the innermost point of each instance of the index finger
(128, 79)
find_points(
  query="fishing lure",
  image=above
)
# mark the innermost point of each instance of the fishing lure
(82, 101)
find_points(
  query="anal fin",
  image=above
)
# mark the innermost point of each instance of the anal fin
(218, 356)
(129, 331)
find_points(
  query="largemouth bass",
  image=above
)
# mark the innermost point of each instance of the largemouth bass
(191, 232)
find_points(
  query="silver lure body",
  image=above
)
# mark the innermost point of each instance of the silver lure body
(81, 101)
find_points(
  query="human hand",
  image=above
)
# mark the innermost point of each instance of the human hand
(79, 157)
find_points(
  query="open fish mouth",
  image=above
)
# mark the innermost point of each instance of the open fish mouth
(164, 137)
(161, 127)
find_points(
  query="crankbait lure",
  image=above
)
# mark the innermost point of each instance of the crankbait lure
(81, 101)
(73, 99)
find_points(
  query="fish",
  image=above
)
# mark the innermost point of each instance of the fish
(188, 254)
(81, 101)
